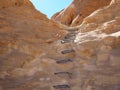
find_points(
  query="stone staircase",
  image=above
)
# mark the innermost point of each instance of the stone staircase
(65, 79)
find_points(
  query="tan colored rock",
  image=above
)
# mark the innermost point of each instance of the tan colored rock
(101, 27)
(33, 58)
(1, 88)
(115, 1)
(26, 37)
(102, 59)
(89, 88)
(79, 9)
(12, 3)
(115, 61)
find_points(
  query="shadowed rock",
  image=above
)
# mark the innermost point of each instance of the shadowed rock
(67, 51)
(64, 61)
(61, 86)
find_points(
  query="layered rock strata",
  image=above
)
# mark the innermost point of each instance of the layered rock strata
(35, 54)
(97, 49)
(26, 36)
(74, 14)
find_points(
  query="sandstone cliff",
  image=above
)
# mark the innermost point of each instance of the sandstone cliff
(98, 48)
(36, 54)
(25, 36)
(77, 11)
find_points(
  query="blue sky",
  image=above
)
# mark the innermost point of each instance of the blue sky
(50, 7)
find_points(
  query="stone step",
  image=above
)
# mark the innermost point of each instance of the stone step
(63, 61)
(70, 37)
(67, 51)
(64, 73)
(62, 86)
(72, 29)
(66, 41)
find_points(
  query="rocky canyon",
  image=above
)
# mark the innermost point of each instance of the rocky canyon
(77, 49)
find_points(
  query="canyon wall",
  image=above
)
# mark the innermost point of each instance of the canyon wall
(40, 54)
(79, 9)
(25, 36)
(98, 49)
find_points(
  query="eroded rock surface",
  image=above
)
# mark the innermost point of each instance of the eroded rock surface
(79, 9)
(98, 48)
(35, 54)
(26, 35)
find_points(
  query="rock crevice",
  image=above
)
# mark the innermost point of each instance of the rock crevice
(36, 54)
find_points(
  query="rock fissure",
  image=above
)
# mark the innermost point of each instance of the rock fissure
(39, 54)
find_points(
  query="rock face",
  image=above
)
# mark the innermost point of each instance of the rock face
(8, 3)
(79, 9)
(25, 36)
(35, 54)
(97, 49)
